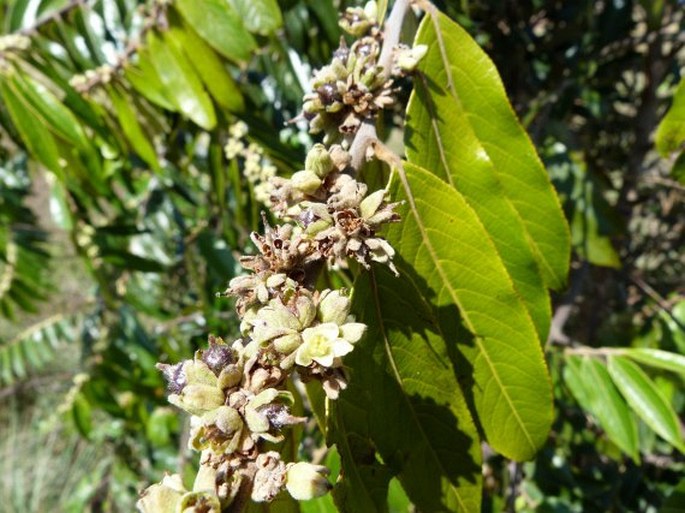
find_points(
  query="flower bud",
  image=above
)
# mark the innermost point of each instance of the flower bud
(407, 59)
(164, 497)
(369, 205)
(287, 343)
(305, 481)
(198, 399)
(230, 377)
(218, 355)
(319, 161)
(333, 307)
(306, 181)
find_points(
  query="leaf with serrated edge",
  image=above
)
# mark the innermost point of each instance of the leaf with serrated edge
(439, 138)
(646, 399)
(417, 415)
(457, 65)
(444, 242)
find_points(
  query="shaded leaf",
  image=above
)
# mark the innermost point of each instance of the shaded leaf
(645, 399)
(456, 66)
(81, 413)
(134, 133)
(363, 485)
(505, 376)
(403, 376)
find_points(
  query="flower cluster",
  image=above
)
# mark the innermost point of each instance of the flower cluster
(256, 166)
(237, 393)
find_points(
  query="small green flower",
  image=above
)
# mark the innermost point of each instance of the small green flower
(319, 161)
(306, 181)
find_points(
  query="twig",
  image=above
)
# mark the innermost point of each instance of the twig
(52, 17)
(565, 308)
(647, 289)
(366, 133)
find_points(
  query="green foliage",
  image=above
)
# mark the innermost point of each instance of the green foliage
(125, 106)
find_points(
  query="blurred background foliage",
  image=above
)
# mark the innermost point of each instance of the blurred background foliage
(121, 217)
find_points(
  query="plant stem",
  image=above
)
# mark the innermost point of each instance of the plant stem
(367, 131)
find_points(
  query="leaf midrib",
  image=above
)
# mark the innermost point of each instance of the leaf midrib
(400, 381)
(541, 260)
(455, 299)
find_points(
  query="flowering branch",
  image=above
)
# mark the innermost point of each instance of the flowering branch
(237, 393)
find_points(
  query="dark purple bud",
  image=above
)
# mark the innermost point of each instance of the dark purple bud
(217, 356)
(279, 415)
(328, 93)
(175, 376)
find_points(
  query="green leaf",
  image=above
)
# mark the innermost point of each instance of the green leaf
(504, 373)
(645, 399)
(593, 221)
(34, 134)
(81, 413)
(180, 81)
(134, 133)
(260, 16)
(146, 81)
(402, 375)
(670, 135)
(57, 116)
(220, 25)
(678, 169)
(591, 385)
(440, 138)
(675, 503)
(209, 67)
(657, 358)
(460, 75)
(363, 484)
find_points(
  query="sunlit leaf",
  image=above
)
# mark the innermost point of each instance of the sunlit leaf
(645, 399)
(220, 25)
(181, 82)
(456, 264)
(592, 387)
(214, 74)
(260, 16)
(657, 358)
(459, 75)
(670, 135)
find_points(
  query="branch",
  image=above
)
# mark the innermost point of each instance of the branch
(52, 17)
(366, 133)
